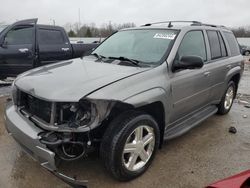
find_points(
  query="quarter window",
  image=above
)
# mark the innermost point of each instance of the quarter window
(233, 44)
(193, 44)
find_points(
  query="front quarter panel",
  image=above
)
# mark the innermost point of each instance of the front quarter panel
(140, 89)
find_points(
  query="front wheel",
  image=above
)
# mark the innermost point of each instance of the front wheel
(227, 100)
(129, 145)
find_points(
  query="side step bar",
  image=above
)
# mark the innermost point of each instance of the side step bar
(194, 120)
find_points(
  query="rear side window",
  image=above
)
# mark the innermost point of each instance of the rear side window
(233, 44)
(193, 44)
(50, 37)
(214, 44)
(222, 46)
(19, 35)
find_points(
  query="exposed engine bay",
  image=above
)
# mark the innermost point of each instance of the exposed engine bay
(67, 125)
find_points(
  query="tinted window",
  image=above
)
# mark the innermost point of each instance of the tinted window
(192, 45)
(20, 35)
(222, 46)
(50, 37)
(233, 44)
(214, 44)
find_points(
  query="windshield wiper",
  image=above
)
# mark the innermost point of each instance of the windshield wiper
(99, 57)
(133, 61)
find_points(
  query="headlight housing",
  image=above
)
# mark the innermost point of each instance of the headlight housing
(86, 114)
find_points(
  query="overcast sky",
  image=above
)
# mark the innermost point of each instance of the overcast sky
(222, 12)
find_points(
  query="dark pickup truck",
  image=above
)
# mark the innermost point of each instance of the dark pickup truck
(26, 44)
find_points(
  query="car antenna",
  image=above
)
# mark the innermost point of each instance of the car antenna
(170, 24)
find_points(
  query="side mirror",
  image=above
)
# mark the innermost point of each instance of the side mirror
(189, 62)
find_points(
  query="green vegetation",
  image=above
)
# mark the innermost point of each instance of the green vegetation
(90, 30)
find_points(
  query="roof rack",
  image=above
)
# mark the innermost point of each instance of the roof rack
(193, 23)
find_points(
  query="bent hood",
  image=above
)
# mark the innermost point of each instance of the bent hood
(72, 80)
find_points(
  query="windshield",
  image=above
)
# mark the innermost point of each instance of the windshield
(147, 46)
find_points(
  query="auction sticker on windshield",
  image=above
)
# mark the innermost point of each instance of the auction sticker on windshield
(170, 36)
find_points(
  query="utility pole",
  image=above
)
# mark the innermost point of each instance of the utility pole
(54, 22)
(79, 17)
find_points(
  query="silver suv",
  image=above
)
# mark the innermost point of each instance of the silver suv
(141, 86)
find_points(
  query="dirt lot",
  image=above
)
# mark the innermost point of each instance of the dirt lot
(204, 155)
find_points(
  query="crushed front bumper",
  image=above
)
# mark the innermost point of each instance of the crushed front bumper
(27, 136)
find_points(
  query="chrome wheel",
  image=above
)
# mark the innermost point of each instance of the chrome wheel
(229, 97)
(138, 148)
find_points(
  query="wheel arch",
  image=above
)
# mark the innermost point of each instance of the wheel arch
(236, 79)
(152, 102)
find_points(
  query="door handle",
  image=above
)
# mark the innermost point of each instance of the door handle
(23, 50)
(207, 74)
(65, 49)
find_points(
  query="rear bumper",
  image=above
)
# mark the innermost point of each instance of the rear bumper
(26, 135)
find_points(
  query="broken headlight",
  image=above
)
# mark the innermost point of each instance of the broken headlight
(85, 113)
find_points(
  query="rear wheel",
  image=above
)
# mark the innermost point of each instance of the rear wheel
(129, 145)
(227, 100)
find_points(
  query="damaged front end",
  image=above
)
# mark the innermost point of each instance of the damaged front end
(66, 125)
(63, 128)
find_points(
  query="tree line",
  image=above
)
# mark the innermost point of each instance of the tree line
(241, 31)
(91, 30)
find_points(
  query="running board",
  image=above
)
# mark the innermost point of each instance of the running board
(194, 120)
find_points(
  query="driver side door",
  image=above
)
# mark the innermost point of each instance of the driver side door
(190, 89)
(17, 49)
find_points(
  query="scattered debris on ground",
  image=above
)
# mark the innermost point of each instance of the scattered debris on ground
(233, 130)
(247, 106)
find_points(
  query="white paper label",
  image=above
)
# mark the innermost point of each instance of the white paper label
(170, 36)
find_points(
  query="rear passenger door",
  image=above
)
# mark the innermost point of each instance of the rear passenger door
(190, 86)
(53, 45)
(217, 65)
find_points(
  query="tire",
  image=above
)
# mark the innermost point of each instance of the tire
(227, 101)
(247, 53)
(119, 134)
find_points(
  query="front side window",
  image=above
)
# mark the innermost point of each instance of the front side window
(50, 37)
(147, 46)
(19, 35)
(193, 44)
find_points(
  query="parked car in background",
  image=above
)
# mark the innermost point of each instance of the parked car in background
(139, 87)
(245, 50)
(26, 44)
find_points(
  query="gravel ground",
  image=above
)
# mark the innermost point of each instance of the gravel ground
(205, 154)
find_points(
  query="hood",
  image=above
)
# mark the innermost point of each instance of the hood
(71, 80)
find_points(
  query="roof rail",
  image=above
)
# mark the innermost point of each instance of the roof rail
(193, 23)
(170, 23)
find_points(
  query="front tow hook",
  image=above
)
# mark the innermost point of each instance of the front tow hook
(74, 183)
